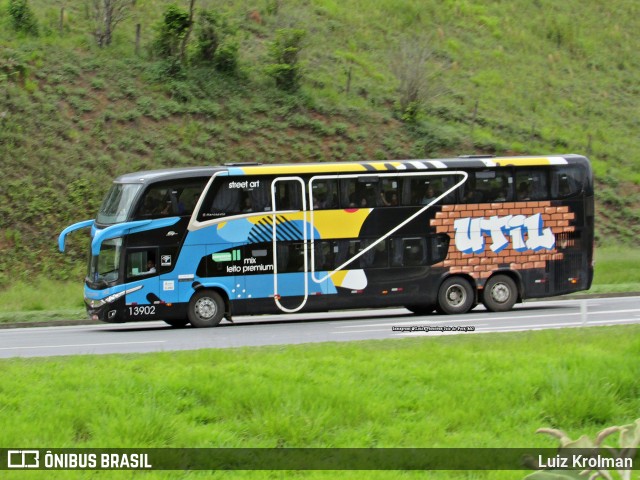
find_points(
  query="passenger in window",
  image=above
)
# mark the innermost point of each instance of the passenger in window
(502, 195)
(524, 191)
(564, 187)
(248, 207)
(362, 203)
(151, 266)
(152, 205)
(389, 200)
(332, 201)
(428, 197)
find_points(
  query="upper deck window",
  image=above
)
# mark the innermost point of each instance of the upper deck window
(168, 199)
(531, 184)
(488, 186)
(236, 195)
(567, 181)
(117, 203)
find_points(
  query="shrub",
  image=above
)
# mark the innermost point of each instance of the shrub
(284, 53)
(214, 44)
(171, 30)
(22, 18)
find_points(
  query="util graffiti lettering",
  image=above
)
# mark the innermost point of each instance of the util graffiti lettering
(527, 233)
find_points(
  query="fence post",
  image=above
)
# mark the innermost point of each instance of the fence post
(583, 311)
(137, 38)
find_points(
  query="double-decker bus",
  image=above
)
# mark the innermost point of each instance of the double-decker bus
(196, 245)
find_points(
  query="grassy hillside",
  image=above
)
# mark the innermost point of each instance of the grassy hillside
(518, 77)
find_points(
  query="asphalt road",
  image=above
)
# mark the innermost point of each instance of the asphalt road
(316, 327)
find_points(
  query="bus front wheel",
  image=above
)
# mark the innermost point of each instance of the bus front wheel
(206, 309)
(455, 296)
(500, 293)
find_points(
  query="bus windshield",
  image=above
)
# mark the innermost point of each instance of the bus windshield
(104, 269)
(117, 203)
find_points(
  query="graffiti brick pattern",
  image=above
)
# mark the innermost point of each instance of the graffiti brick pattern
(480, 266)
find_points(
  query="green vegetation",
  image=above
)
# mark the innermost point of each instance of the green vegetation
(424, 392)
(617, 266)
(517, 78)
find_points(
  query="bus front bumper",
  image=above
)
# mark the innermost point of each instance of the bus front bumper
(104, 310)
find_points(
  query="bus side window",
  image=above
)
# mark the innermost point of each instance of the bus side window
(167, 199)
(359, 192)
(142, 262)
(324, 194)
(290, 257)
(288, 196)
(424, 190)
(531, 184)
(447, 183)
(259, 194)
(418, 191)
(227, 200)
(566, 181)
(389, 192)
(418, 251)
(234, 196)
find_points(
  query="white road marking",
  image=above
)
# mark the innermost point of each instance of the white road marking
(361, 331)
(470, 320)
(80, 345)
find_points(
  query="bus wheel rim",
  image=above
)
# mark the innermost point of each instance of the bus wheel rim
(206, 308)
(500, 293)
(456, 295)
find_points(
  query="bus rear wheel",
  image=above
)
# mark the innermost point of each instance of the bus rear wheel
(421, 309)
(206, 309)
(500, 293)
(455, 296)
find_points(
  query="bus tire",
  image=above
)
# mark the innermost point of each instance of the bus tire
(177, 322)
(500, 293)
(421, 309)
(455, 296)
(206, 309)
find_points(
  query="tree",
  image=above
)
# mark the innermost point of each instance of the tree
(106, 15)
(185, 39)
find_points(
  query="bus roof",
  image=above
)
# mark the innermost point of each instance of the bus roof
(404, 165)
(152, 176)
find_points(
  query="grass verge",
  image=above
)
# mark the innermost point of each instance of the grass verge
(491, 390)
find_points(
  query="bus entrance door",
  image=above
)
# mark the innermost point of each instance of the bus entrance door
(290, 243)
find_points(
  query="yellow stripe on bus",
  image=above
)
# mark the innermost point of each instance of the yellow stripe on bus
(378, 165)
(522, 162)
(301, 168)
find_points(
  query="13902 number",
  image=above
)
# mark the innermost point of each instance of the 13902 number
(142, 310)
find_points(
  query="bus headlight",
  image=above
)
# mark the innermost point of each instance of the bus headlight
(114, 297)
